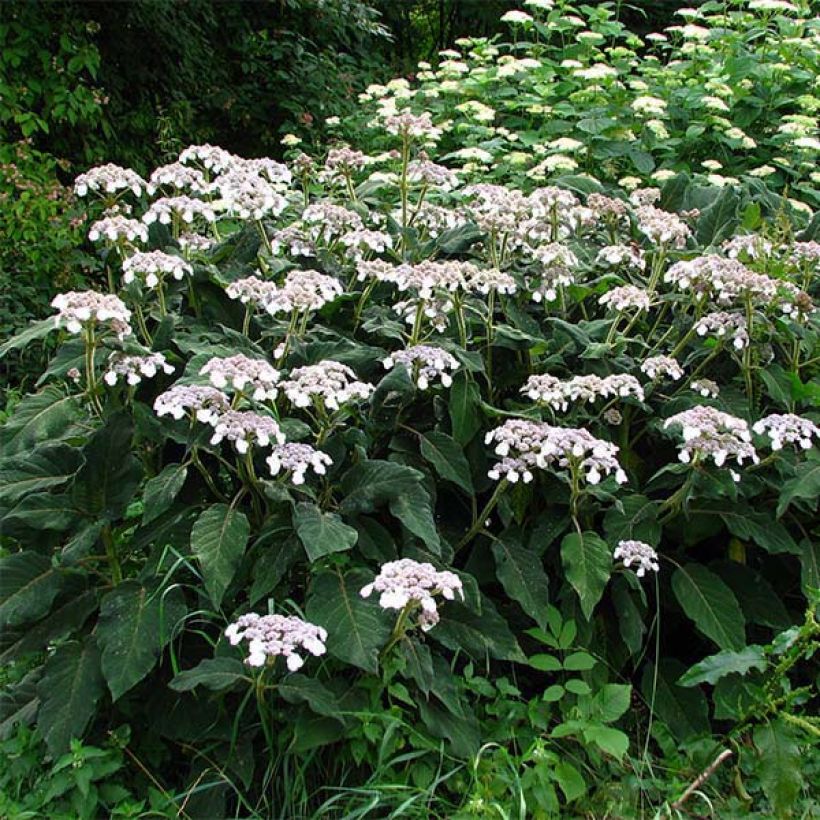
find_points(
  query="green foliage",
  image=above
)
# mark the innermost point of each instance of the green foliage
(533, 660)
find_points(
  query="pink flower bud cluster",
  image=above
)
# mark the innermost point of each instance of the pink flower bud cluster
(639, 553)
(76, 309)
(245, 428)
(251, 290)
(329, 384)
(558, 394)
(787, 428)
(116, 227)
(240, 371)
(185, 207)
(269, 636)
(151, 267)
(303, 290)
(723, 324)
(206, 404)
(711, 434)
(109, 179)
(424, 364)
(657, 367)
(407, 582)
(297, 459)
(525, 445)
(135, 368)
(626, 297)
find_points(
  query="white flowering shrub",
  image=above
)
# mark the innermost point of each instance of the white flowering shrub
(395, 425)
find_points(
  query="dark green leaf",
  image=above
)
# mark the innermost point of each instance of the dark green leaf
(35, 331)
(448, 459)
(161, 490)
(48, 466)
(715, 667)
(44, 416)
(71, 685)
(45, 511)
(218, 539)
(478, 635)
(298, 688)
(28, 586)
(464, 407)
(134, 626)
(322, 533)
(111, 473)
(522, 575)
(357, 627)
(215, 674)
(781, 765)
(710, 604)
(684, 711)
(587, 561)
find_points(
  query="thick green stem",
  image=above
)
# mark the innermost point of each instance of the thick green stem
(111, 555)
(480, 521)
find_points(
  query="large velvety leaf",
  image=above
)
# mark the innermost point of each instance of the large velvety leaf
(322, 533)
(215, 674)
(43, 416)
(810, 564)
(715, 667)
(48, 466)
(780, 769)
(44, 511)
(134, 626)
(638, 520)
(746, 523)
(684, 711)
(447, 458)
(35, 331)
(161, 490)
(587, 561)
(111, 473)
(372, 483)
(302, 689)
(415, 510)
(758, 601)
(218, 539)
(805, 484)
(357, 627)
(464, 407)
(522, 576)
(710, 604)
(28, 586)
(59, 623)
(479, 635)
(71, 685)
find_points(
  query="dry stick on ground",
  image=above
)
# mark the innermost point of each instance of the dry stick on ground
(702, 778)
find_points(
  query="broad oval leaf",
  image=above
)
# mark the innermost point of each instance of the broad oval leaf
(134, 626)
(28, 586)
(71, 685)
(161, 490)
(218, 539)
(710, 604)
(357, 627)
(523, 578)
(712, 669)
(447, 458)
(587, 562)
(215, 674)
(322, 533)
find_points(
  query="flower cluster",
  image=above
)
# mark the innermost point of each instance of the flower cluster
(723, 324)
(270, 636)
(625, 297)
(297, 459)
(628, 255)
(559, 394)
(240, 371)
(657, 367)
(76, 309)
(244, 193)
(109, 179)
(177, 176)
(712, 434)
(410, 583)
(303, 290)
(639, 553)
(151, 266)
(706, 388)
(205, 403)
(328, 384)
(135, 368)
(524, 445)
(185, 208)
(787, 428)
(662, 227)
(424, 364)
(117, 227)
(245, 428)
(251, 290)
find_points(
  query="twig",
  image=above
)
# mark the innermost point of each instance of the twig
(702, 778)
